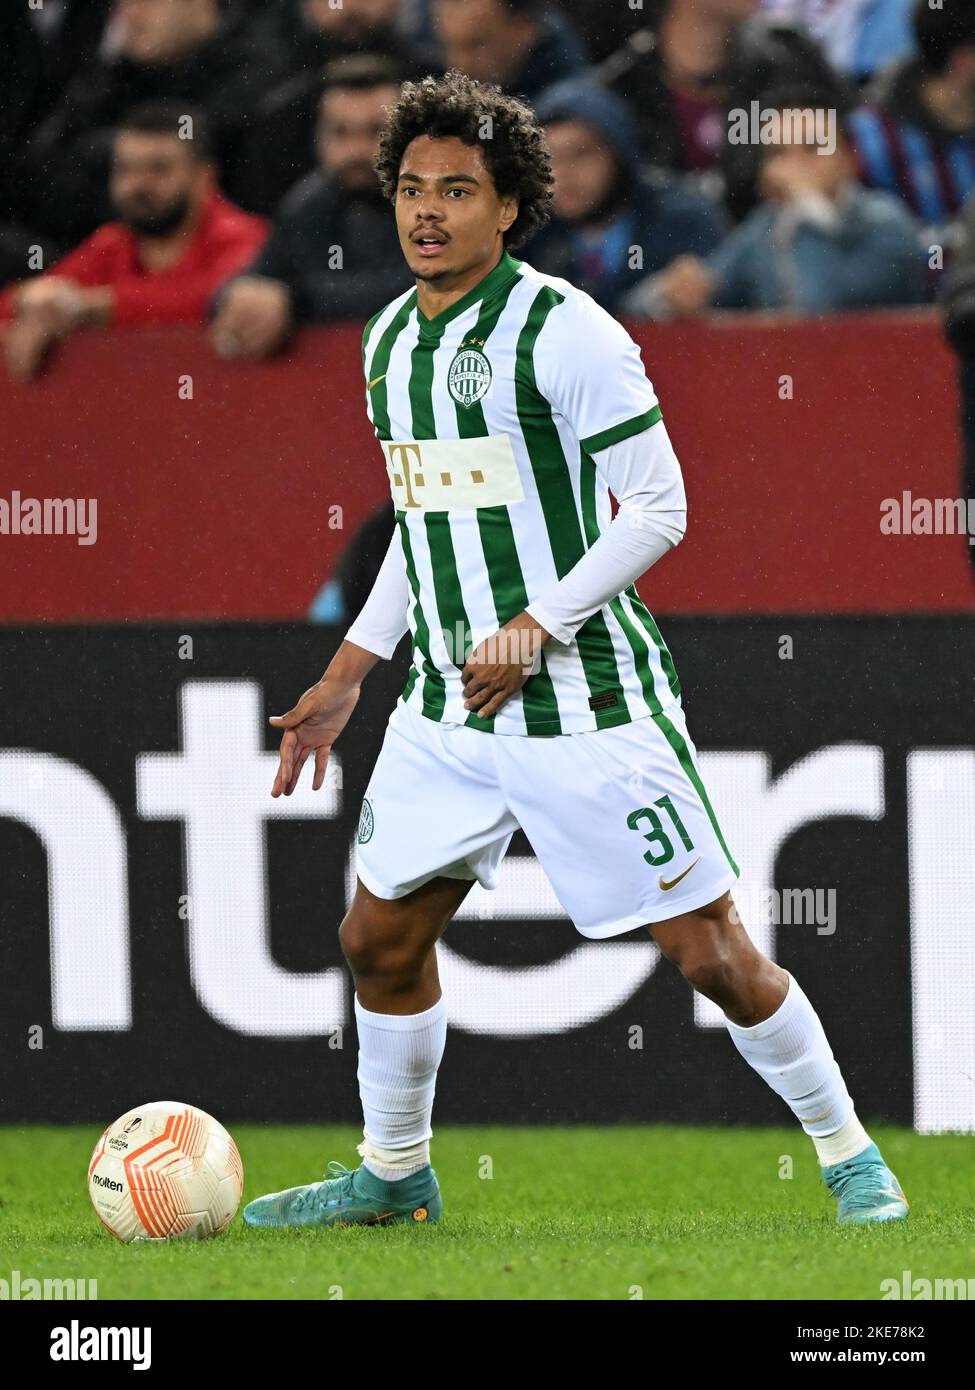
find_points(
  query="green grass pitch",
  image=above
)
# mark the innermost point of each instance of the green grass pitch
(583, 1213)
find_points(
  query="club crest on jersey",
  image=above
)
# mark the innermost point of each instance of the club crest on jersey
(469, 374)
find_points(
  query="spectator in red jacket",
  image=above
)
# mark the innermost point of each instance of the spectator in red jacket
(177, 239)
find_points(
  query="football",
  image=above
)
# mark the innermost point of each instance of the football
(165, 1171)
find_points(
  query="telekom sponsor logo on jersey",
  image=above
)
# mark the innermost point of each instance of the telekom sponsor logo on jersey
(443, 475)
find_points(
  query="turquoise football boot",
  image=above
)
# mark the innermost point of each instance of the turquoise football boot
(866, 1189)
(350, 1197)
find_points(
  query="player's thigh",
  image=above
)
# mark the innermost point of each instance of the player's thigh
(433, 808)
(381, 932)
(712, 932)
(621, 823)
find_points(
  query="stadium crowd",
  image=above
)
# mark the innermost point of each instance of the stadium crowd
(211, 162)
(200, 161)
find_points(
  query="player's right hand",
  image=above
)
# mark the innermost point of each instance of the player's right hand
(314, 724)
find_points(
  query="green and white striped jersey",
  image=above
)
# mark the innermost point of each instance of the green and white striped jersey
(491, 417)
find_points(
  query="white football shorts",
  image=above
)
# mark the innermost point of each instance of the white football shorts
(618, 818)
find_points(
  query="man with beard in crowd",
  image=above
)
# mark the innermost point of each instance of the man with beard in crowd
(279, 147)
(333, 248)
(175, 241)
(196, 52)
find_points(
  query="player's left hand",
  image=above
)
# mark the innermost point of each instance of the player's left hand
(500, 665)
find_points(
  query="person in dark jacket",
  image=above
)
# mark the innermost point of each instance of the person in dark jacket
(310, 33)
(334, 249)
(817, 243)
(522, 45)
(685, 76)
(173, 242)
(170, 50)
(859, 37)
(916, 134)
(604, 28)
(279, 146)
(40, 49)
(958, 301)
(341, 597)
(612, 224)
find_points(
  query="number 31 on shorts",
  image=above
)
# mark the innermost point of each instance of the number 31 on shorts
(657, 834)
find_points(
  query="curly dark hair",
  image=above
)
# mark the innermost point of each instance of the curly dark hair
(516, 153)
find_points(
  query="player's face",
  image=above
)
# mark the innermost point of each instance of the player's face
(448, 213)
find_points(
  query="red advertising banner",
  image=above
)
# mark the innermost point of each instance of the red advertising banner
(228, 491)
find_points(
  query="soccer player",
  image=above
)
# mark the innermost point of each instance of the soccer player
(508, 406)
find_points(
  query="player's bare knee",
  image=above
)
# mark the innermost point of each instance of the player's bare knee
(710, 966)
(713, 976)
(372, 951)
(362, 945)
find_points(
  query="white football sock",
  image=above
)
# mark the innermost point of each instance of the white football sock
(848, 1140)
(398, 1059)
(789, 1050)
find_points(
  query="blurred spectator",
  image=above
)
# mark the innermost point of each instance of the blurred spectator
(176, 240)
(858, 36)
(45, 45)
(279, 147)
(958, 290)
(311, 33)
(334, 251)
(341, 597)
(180, 50)
(612, 225)
(39, 50)
(818, 242)
(916, 138)
(703, 60)
(522, 45)
(600, 26)
(958, 298)
(603, 28)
